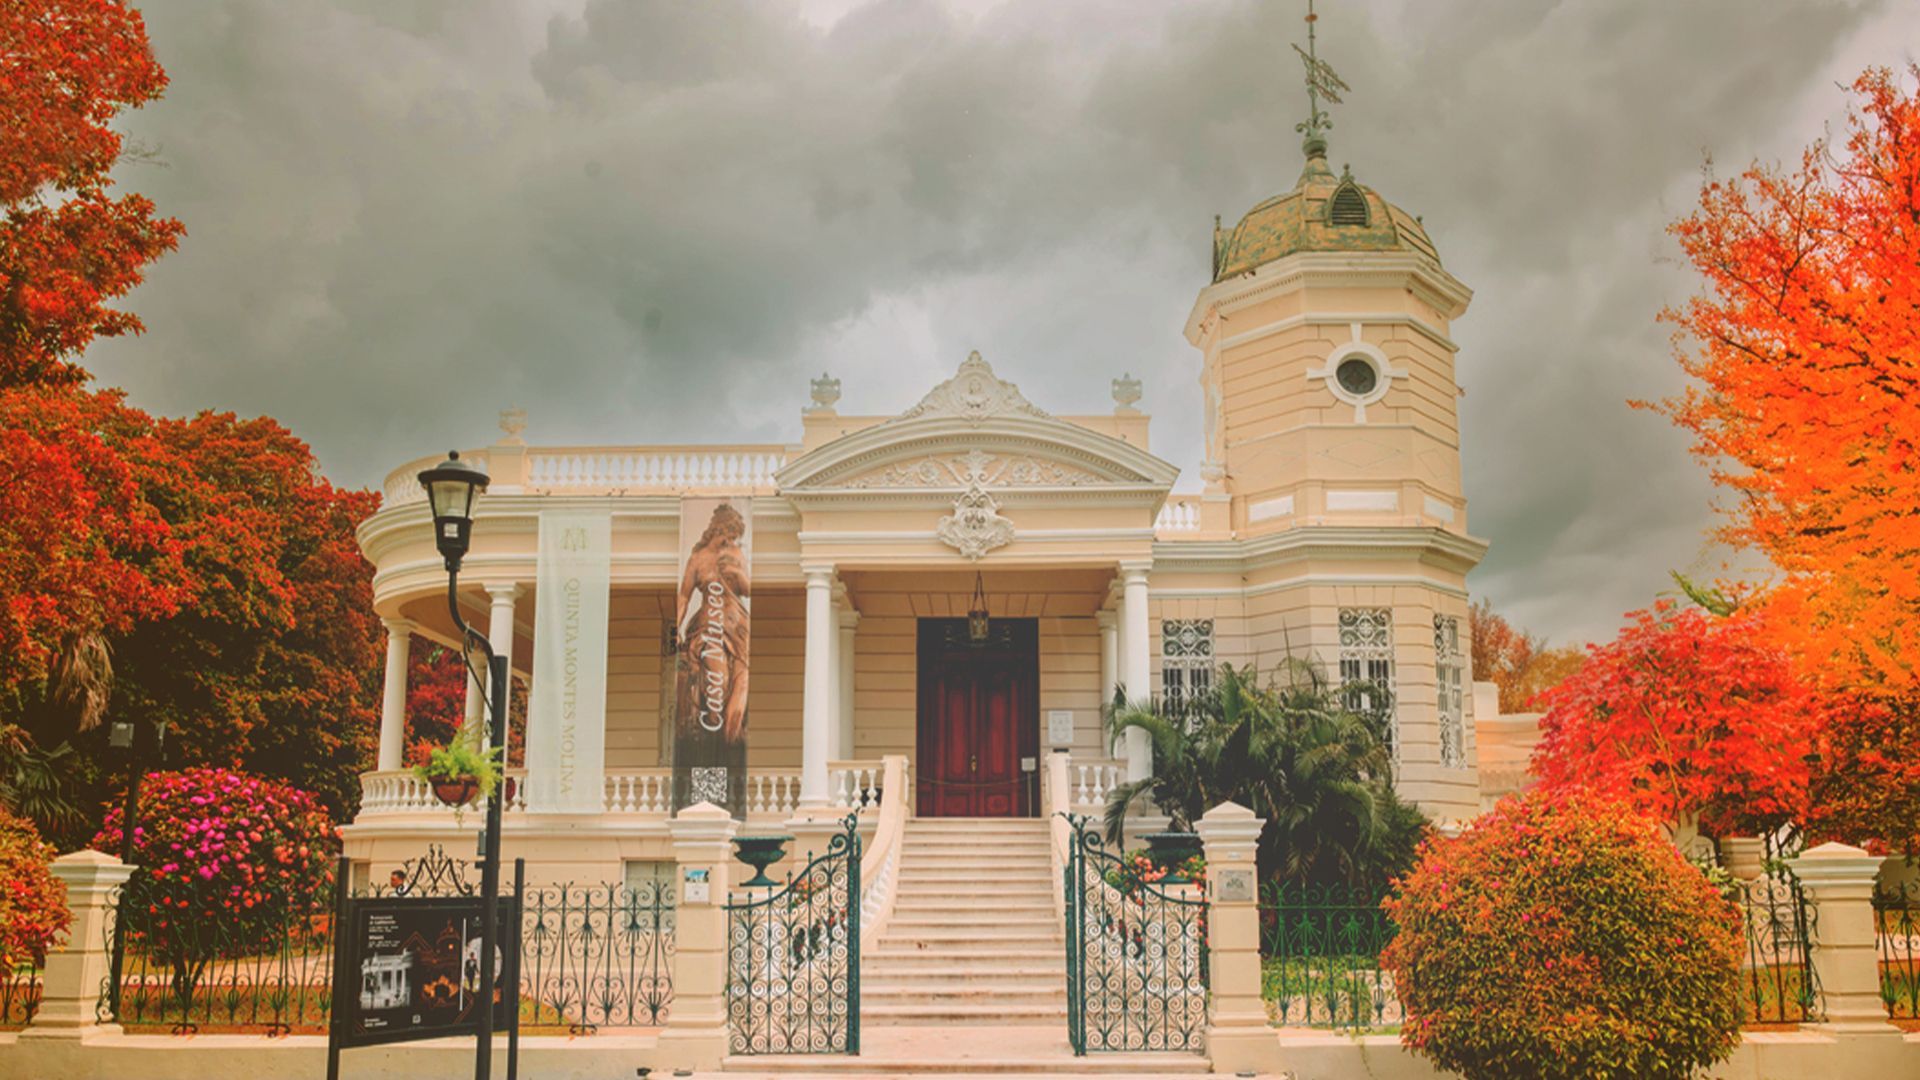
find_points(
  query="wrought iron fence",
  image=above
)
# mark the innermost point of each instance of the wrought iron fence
(1320, 957)
(19, 997)
(1777, 979)
(180, 968)
(597, 956)
(1896, 923)
(793, 958)
(1136, 955)
(591, 956)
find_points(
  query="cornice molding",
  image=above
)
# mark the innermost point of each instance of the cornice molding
(1453, 550)
(1431, 283)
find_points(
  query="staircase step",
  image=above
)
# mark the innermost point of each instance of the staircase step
(949, 908)
(961, 952)
(982, 993)
(924, 969)
(964, 1013)
(934, 927)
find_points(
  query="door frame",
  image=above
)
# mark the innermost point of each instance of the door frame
(1018, 641)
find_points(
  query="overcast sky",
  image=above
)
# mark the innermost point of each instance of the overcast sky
(654, 221)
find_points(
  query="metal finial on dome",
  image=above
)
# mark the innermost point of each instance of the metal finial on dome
(1322, 82)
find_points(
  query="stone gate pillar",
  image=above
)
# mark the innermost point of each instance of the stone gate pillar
(1238, 1036)
(78, 968)
(696, 1033)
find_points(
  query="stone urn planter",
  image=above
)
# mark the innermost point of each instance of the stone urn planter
(760, 852)
(1170, 851)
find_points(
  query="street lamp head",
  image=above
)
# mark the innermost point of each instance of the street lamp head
(452, 486)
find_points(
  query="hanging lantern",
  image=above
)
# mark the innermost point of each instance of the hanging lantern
(978, 623)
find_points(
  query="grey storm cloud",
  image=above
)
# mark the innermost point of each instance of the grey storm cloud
(653, 221)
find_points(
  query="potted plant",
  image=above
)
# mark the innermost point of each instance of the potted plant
(461, 773)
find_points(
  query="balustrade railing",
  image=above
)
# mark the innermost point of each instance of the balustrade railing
(851, 785)
(1093, 782)
(1179, 514)
(618, 470)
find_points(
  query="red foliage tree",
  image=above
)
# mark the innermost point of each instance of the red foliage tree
(1804, 342)
(81, 550)
(67, 246)
(1564, 937)
(1686, 714)
(436, 698)
(272, 665)
(33, 903)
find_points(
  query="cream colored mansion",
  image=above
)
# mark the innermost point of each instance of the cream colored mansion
(1331, 525)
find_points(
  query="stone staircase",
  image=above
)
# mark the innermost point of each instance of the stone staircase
(974, 938)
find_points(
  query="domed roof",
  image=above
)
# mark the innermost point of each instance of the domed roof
(1323, 212)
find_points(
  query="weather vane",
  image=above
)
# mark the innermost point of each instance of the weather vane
(1322, 82)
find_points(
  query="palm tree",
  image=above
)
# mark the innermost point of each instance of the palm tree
(1293, 752)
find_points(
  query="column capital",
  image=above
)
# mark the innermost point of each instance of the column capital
(397, 626)
(818, 574)
(849, 618)
(1132, 570)
(1106, 619)
(503, 591)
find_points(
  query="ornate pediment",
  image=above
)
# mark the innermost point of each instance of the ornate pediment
(975, 394)
(975, 468)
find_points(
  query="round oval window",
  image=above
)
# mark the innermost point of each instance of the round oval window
(1357, 376)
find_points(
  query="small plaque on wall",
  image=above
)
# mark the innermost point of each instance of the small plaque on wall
(1060, 727)
(1235, 884)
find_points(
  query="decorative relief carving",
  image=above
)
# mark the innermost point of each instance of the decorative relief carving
(975, 468)
(975, 527)
(974, 393)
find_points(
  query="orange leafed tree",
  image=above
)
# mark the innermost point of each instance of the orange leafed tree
(1515, 660)
(1805, 344)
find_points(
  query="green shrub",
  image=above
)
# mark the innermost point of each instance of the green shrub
(1564, 937)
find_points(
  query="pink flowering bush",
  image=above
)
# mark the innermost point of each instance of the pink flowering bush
(226, 860)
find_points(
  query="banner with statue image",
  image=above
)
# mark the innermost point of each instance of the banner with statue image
(713, 611)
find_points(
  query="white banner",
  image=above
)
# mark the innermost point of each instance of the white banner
(567, 712)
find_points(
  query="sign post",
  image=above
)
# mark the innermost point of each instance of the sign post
(409, 967)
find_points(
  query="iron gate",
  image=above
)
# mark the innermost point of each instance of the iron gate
(1136, 955)
(793, 958)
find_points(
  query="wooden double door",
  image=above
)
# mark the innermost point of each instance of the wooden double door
(978, 734)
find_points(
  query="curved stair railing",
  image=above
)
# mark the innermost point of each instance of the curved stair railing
(1057, 798)
(879, 868)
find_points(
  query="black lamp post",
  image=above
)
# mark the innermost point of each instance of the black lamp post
(452, 487)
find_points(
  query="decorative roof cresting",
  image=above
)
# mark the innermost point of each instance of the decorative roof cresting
(974, 394)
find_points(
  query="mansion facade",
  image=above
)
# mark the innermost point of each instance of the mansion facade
(1330, 525)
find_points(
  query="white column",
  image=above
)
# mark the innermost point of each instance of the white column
(1135, 665)
(849, 620)
(1109, 623)
(816, 702)
(500, 635)
(393, 699)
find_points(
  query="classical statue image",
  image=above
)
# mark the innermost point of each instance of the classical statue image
(713, 605)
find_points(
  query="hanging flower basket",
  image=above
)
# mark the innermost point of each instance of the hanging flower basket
(457, 790)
